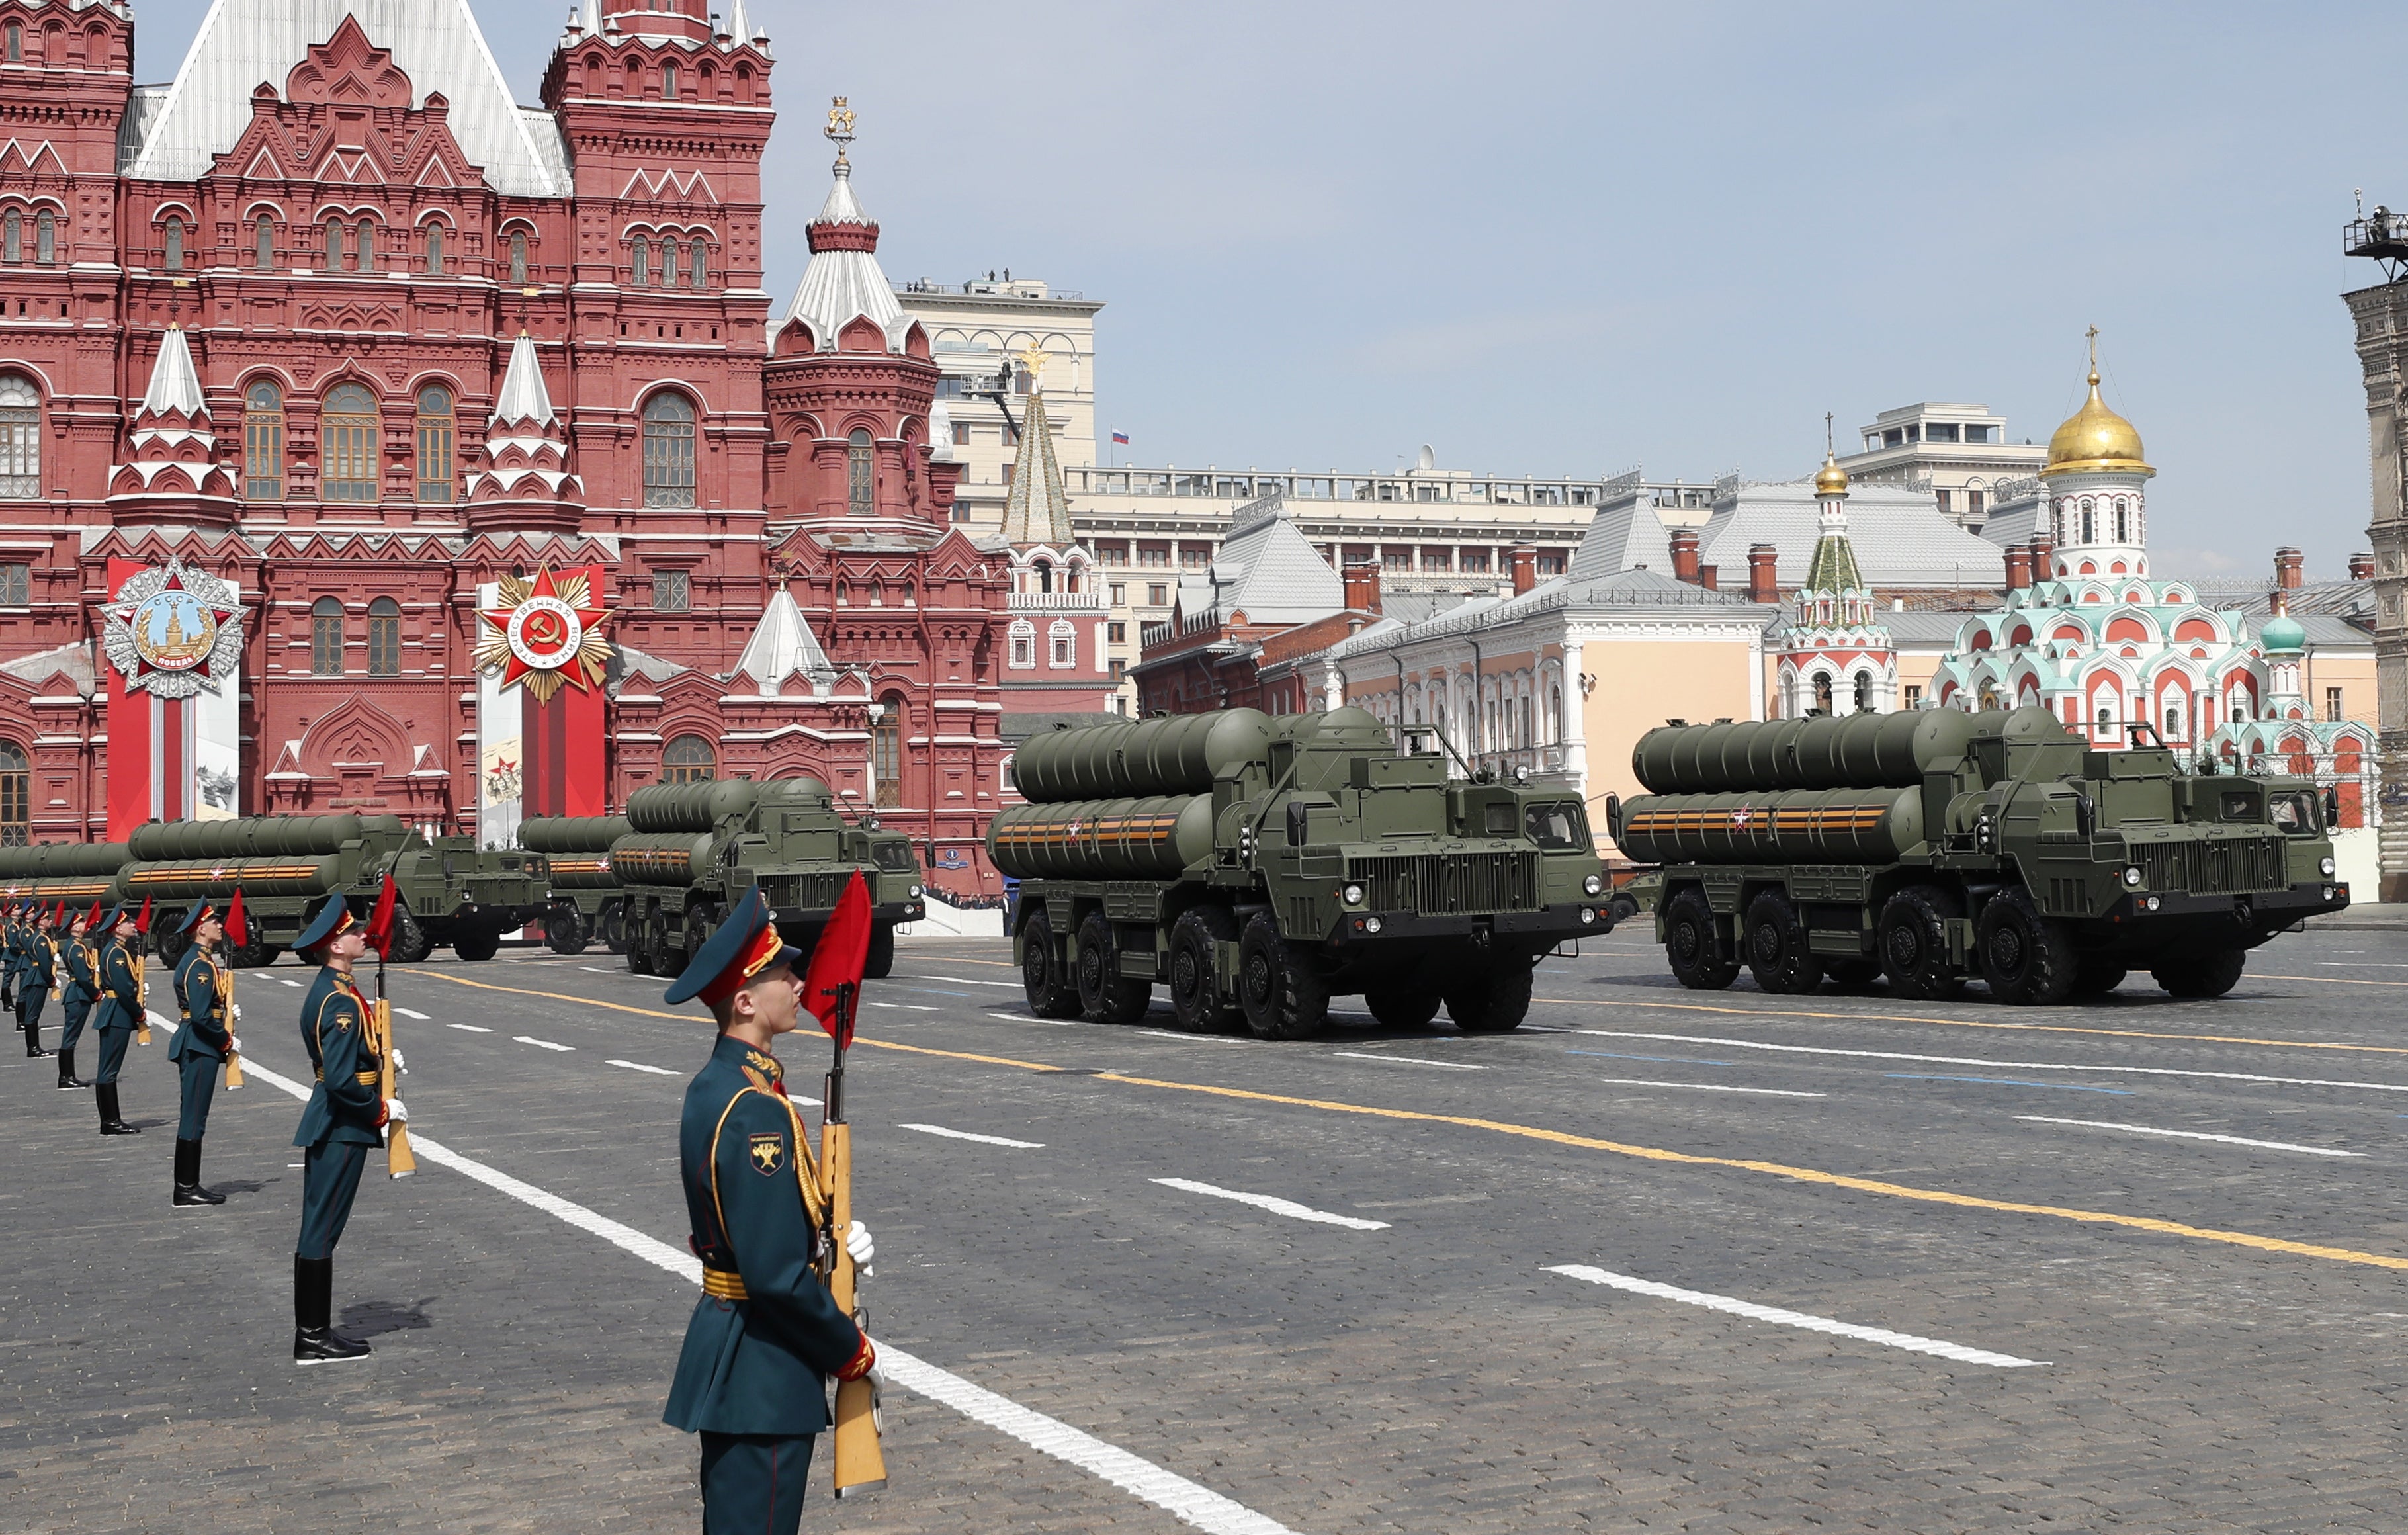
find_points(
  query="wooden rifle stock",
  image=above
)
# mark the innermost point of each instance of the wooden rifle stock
(141, 1014)
(860, 1463)
(399, 1162)
(226, 992)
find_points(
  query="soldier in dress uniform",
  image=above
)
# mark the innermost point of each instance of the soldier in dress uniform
(41, 976)
(81, 964)
(200, 1046)
(345, 1116)
(12, 954)
(118, 1012)
(764, 1333)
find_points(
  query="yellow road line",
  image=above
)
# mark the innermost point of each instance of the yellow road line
(1564, 1138)
(1978, 1023)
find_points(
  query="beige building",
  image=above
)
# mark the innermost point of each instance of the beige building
(2381, 313)
(1959, 452)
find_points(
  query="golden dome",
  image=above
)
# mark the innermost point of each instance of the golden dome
(1830, 480)
(2094, 438)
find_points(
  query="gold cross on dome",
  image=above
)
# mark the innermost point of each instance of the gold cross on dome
(2093, 334)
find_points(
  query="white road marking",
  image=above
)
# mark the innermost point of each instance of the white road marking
(639, 1066)
(907, 1006)
(540, 1044)
(1408, 1060)
(1976, 1060)
(2190, 1135)
(289, 981)
(412, 1012)
(1030, 1018)
(1191, 1039)
(964, 1135)
(1191, 1501)
(1705, 1087)
(967, 981)
(591, 970)
(1749, 1309)
(469, 1029)
(1272, 1202)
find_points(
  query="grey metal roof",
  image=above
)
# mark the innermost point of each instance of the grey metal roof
(783, 646)
(1265, 570)
(436, 43)
(1900, 536)
(74, 660)
(1622, 592)
(841, 286)
(1621, 537)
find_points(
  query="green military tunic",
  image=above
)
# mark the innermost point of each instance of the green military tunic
(119, 1008)
(200, 1045)
(83, 988)
(345, 1114)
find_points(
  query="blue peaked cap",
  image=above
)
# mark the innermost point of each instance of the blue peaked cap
(326, 925)
(734, 950)
(202, 908)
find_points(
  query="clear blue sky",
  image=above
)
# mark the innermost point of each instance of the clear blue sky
(1571, 238)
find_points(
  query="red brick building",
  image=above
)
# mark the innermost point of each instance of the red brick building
(331, 319)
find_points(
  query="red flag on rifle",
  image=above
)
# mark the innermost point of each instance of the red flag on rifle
(237, 930)
(380, 933)
(843, 950)
(91, 918)
(143, 918)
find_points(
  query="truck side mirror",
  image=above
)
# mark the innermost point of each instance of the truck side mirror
(1297, 813)
(1613, 816)
(2332, 807)
(2085, 817)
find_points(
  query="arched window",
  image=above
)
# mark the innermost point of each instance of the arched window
(364, 247)
(878, 593)
(1864, 692)
(518, 257)
(1023, 643)
(334, 246)
(2173, 718)
(437, 433)
(434, 248)
(12, 237)
(16, 773)
(2123, 526)
(670, 80)
(326, 637)
(175, 243)
(1044, 575)
(347, 441)
(262, 441)
(20, 438)
(843, 593)
(910, 595)
(16, 43)
(1064, 643)
(669, 451)
(46, 237)
(886, 751)
(1823, 692)
(643, 261)
(668, 273)
(2089, 521)
(688, 759)
(384, 638)
(860, 478)
(263, 236)
(696, 265)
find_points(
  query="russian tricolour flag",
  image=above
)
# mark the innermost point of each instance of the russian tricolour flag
(1120, 437)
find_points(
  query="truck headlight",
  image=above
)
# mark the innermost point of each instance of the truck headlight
(1593, 886)
(915, 891)
(1353, 895)
(1588, 917)
(2324, 867)
(2132, 876)
(1371, 924)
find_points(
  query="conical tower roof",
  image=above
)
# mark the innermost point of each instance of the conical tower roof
(783, 646)
(175, 385)
(1037, 511)
(844, 282)
(523, 399)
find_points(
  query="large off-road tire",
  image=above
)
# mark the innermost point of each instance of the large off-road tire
(1911, 939)
(411, 942)
(1621, 907)
(1776, 949)
(640, 941)
(2096, 977)
(1196, 1005)
(2027, 958)
(476, 943)
(1105, 995)
(1402, 1007)
(700, 923)
(565, 931)
(880, 963)
(1693, 945)
(1051, 993)
(1283, 995)
(2202, 975)
(612, 926)
(1491, 1002)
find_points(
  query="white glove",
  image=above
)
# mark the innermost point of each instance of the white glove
(234, 1043)
(237, 1012)
(397, 1064)
(394, 1113)
(857, 1243)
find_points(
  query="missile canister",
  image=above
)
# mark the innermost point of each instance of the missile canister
(188, 879)
(1143, 839)
(1181, 754)
(54, 860)
(1854, 751)
(665, 857)
(576, 848)
(690, 807)
(1786, 826)
(285, 837)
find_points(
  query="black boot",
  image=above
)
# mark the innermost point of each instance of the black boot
(34, 1050)
(314, 1340)
(189, 1191)
(111, 1122)
(66, 1071)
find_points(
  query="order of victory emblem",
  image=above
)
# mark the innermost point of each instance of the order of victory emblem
(546, 634)
(174, 632)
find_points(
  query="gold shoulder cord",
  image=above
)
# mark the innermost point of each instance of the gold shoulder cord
(806, 1166)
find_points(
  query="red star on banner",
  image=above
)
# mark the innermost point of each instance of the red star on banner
(546, 636)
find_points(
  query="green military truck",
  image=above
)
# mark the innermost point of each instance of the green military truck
(694, 850)
(77, 873)
(1934, 846)
(451, 892)
(1260, 866)
(586, 900)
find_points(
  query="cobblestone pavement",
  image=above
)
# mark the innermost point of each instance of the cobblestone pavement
(2219, 1322)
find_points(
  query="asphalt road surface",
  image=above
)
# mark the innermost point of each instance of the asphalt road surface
(1662, 1260)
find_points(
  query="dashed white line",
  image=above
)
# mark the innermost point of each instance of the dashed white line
(1274, 1203)
(639, 1066)
(591, 970)
(412, 1012)
(1408, 1060)
(906, 1007)
(982, 1140)
(1750, 1309)
(2190, 1135)
(1705, 1087)
(967, 981)
(289, 981)
(469, 1029)
(540, 1044)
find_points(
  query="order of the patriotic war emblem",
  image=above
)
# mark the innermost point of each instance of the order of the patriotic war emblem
(769, 1153)
(173, 632)
(546, 634)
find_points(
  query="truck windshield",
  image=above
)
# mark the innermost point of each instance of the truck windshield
(2295, 813)
(1557, 827)
(892, 855)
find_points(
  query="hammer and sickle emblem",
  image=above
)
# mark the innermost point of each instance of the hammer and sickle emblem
(769, 1153)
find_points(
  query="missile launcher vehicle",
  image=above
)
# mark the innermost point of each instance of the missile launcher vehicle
(1258, 867)
(1936, 846)
(77, 873)
(586, 901)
